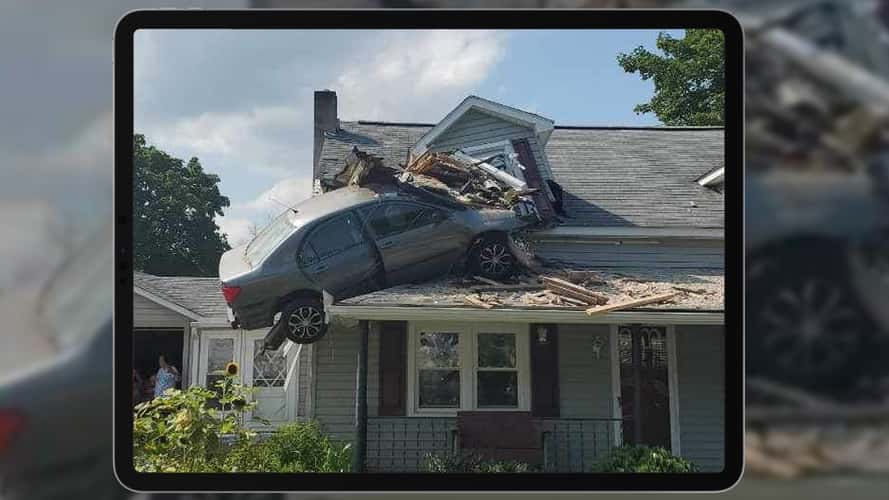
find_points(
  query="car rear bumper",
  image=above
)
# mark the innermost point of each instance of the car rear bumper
(251, 317)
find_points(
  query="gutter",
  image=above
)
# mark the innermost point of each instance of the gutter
(514, 315)
(626, 233)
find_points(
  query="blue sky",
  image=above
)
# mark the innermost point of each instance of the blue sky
(241, 101)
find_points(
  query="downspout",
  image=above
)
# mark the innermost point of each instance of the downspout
(359, 457)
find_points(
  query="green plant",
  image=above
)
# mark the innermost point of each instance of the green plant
(639, 458)
(181, 432)
(472, 463)
(303, 447)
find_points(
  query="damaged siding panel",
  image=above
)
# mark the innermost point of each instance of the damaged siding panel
(700, 354)
(476, 128)
(673, 254)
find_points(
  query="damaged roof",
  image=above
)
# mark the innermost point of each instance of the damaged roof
(199, 295)
(611, 176)
(699, 290)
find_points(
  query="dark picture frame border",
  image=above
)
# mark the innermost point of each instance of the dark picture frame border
(426, 19)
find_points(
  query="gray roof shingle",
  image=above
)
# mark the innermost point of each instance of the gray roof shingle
(201, 296)
(611, 176)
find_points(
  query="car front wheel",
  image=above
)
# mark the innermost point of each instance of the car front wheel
(304, 321)
(493, 259)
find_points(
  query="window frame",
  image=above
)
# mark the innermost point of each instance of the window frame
(367, 214)
(311, 231)
(468, 349)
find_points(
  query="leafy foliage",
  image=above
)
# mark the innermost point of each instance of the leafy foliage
(472, 463)
(174, 204)
(182, 431)
(638, 458)
(689, 78)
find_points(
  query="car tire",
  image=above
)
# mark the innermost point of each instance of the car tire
(303, 320)
(806, 326)
(492, 258)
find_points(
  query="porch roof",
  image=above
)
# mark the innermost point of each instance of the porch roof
(699, 292)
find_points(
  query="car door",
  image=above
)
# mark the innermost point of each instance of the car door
(415, 241)
(337, 257)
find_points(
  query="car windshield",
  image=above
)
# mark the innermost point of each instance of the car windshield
(269, 238)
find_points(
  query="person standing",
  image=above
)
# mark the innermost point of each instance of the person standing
(166, 378)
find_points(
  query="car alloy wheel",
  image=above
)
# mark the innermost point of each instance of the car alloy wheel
(810, 326)
(495, 259)
(305, 324)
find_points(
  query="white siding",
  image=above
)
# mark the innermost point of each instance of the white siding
(475, 128)
(701, 360)
(147, 314)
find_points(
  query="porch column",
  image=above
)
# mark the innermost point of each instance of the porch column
(359, 457)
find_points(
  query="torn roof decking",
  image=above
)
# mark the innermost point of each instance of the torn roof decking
(611, 176)
(623, 285)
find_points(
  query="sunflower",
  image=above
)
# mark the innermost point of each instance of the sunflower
(232, 369)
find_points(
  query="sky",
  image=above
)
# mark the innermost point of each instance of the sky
(241, 101)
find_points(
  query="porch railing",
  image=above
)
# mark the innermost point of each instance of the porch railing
(400, 444)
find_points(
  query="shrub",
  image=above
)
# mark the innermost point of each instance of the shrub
(303, 447)
(471, 462)
(638, 458)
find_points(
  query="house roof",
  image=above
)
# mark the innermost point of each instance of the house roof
(699, 290)
(611, 176)
(202, 296)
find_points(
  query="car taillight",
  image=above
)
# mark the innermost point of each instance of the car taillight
(11, 424)
(230, 293)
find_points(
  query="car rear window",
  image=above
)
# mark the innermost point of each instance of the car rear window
(269, 238)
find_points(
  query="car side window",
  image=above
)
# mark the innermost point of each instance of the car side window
(395, 218)
(330, 238)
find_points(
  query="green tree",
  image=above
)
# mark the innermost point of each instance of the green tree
(174, 205)
(689, 78)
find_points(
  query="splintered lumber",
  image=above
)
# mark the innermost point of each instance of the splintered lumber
(577, 292)
(486, 280)
(477, 302)
(654, 299)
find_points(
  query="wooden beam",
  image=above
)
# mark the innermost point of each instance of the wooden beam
(569, 289)
(477, 302)
(654, 299)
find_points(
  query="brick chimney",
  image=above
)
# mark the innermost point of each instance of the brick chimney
(325, 121)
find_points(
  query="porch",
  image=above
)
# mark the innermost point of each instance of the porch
(401, 444)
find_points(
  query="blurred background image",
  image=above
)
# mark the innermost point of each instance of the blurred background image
(817, 242)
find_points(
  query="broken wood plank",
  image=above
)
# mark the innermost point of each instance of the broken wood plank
(654, 299)
(488, 281)
(574, 291)
(697, 291)
(572, 301)
(477, 302)
(581, 276)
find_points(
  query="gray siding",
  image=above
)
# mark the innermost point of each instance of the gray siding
(697, 254)
(475, 128)
(147, 314)
(700, 352)
(336, 357)
(401, 444)
(584, 381)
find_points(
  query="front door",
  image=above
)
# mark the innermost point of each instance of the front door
(267, 372)
(644, 385)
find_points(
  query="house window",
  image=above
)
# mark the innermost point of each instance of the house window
(468, 367)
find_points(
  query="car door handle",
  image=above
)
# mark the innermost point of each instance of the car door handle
(386, 244)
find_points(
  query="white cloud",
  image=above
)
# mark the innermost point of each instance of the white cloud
(236, 229)
(239, 217)
(417, 75)
(261, 139)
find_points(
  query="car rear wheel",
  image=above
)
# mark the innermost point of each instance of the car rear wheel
(492, 258)
(303, 320)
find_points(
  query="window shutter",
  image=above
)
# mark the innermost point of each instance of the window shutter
(545, 372)
(393, 368)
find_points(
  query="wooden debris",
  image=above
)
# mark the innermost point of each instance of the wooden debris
(477, 302)
(697, 291)
(584, 276)
(654, 299)
(577, 292)
(488, 281)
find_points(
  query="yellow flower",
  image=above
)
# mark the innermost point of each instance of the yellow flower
(231, 369)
